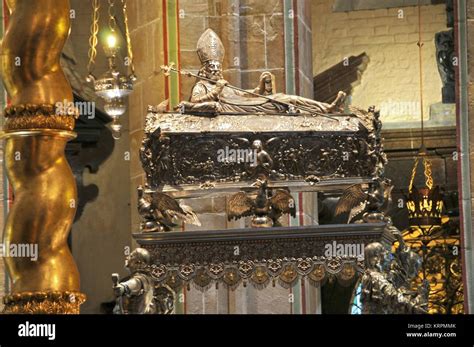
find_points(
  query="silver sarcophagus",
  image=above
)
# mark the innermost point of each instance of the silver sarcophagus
(257, 147)
(182, 151)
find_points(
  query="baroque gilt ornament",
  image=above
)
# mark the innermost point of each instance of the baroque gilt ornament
(39, 122)
(435, 237)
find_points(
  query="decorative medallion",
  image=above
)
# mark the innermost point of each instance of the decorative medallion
(348, 272)
(289, 275)
(187, 272)
(245, 268)
(216, 271)
(304, 266)
(174, 281)
(202, 279)
(260, 276)
(231, 277)
(274, 267)
(158, 272)
(318, 273)
(334, 265)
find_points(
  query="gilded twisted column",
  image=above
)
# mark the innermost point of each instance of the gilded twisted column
(36, 131)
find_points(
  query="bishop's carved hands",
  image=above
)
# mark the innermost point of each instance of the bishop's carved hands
(220, 84)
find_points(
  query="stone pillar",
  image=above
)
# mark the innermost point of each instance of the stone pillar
(465, 103)
(3, 181)
(298, 47)
(36, 131)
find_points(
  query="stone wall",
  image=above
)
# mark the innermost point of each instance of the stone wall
(252, 33)
(391, 80)
(146, 26)
(99, 237)
(355, 5)
(254, 36)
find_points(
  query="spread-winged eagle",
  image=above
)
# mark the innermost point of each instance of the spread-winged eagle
(355, 199)
(265, 202)
(165, 210)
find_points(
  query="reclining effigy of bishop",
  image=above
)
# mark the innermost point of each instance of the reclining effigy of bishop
(212, 94)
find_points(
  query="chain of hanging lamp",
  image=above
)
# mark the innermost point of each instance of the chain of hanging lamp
(422, 152)
(93, 40)
(112, 23)
(127, 37)
(111, 13)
